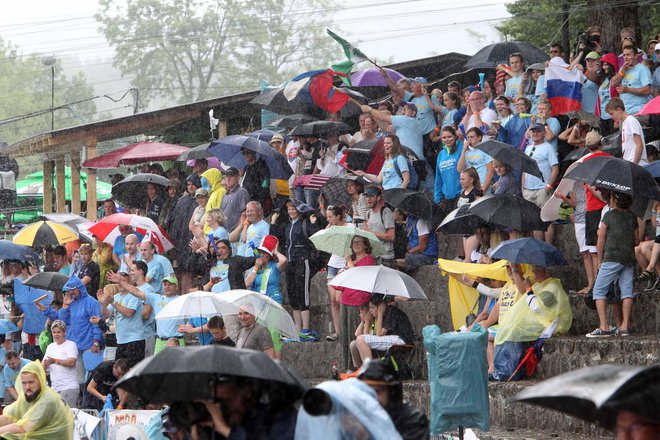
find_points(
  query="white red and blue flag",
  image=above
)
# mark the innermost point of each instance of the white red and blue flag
(316, 88)
(563, 86)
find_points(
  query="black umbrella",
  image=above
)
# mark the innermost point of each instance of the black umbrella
(617, 175)
(419, 204)
(509, 211)
(262, 135)
(598, 393)
(460, 222)
(132, 191)
(320, 128)
(188, 373)
(274, 100)
(529, 251)
(199, 152)
(18, 252)
(578, 153)
(492, 55)
(290, 121)
(513, 156)
(581, 115)
(47, 281)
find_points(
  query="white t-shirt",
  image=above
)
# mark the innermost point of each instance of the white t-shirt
(629, 128)
(487, 117)
(61, 377)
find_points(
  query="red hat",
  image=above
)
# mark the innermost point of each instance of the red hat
(611, 59)
(268, 244)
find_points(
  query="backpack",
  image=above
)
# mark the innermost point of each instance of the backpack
(416, 170)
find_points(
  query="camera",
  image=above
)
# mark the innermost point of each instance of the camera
(588, 41)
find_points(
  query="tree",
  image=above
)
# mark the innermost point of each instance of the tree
(25, 88)
(188, 50)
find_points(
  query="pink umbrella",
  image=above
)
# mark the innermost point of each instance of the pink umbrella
(372, 77)
(136, 153)
(107, 230)
(651, 108)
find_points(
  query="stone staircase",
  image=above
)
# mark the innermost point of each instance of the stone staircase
(509, 420)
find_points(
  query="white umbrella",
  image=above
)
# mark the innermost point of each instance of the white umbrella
(268, 312)
(197, 304)
(379, 279)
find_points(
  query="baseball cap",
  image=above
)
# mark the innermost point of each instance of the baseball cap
(201, 192)
(277, 138)
(592, 56)
(372, 191)
(231, 171)
(593, 138)
(171, 279)
(419, 79)
(537, 127)
(411, 106)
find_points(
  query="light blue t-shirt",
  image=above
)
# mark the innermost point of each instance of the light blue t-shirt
(448, 117)
(546, 157)
(605, 96)
(410, 133)
(11, 375)
(589, 96)
(202, 338)
(637, 77)
(149, 324)
(555, 128)
(512, 85)
(540, 86)
(128, 329)
(165, 328)
(425, 114)
(391, 178)
(479, 161)
(157, 273)
(255, 235)
(220, 271)
(124, 267)
(168, 270)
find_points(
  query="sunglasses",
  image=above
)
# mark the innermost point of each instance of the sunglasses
(531, 153)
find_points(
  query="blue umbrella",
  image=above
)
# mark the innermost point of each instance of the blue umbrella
(228, 150)
(7, 326)
(12, 251)
(529, 251)
(262, 135)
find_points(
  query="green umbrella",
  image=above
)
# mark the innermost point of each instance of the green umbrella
(337, 240)
(33, 186)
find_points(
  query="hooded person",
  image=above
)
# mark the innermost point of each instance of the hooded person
(39, 412)
(78, 308)
(211, 180)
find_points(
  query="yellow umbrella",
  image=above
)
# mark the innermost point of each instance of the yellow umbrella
(45, 233)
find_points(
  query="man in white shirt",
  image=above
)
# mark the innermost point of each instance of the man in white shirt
(477, 114)
(632, 135)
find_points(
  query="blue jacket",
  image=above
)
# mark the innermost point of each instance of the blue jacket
(76, 316)
(447, 177)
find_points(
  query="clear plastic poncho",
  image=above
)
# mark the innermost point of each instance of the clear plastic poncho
(522, 324)
(48, 417)
(355, 414)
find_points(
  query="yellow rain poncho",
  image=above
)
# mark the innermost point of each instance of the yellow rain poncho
(522, 324)
(48, 417)
(214, 177)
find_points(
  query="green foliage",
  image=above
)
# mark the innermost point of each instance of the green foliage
(189, 50)
(25, 87)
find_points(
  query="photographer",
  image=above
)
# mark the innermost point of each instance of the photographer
(240, 409)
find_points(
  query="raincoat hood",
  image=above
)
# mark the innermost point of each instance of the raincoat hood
(214, 177)
(45, 418)
(75, 283)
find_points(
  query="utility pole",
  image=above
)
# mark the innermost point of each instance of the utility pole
(565, 38)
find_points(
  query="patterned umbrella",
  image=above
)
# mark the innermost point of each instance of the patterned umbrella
(337, 240)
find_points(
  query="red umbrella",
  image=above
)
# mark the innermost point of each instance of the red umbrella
(107, 229)
(136, 153)
(651, 108)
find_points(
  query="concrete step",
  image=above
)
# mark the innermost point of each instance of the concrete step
(511, 420)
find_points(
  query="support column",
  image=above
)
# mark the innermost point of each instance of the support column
(90, 146)
(60, 182)
(48, 187)
(75, 182)
(222, 129)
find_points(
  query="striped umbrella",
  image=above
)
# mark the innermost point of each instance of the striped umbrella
(45, 233)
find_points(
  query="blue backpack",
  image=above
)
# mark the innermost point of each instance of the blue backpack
(413, 181)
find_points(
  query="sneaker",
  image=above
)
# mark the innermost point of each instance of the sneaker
(652, 285)
(308, 336)
(598, 333)
(620, 332)
(647, 275)
(332, 337)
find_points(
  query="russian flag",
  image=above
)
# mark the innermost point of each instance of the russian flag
(563, 86)
(316, 87)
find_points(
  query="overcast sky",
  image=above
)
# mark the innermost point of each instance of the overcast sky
(386, 29)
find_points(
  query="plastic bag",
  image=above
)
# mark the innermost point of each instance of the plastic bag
(458, 377)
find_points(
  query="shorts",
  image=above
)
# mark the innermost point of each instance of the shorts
(609, 272)
(332, 272)
(580, 236)
(382, 343)
(592, 221)
(537, 196)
